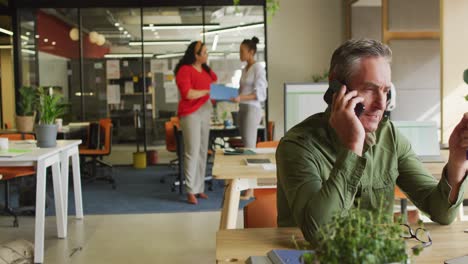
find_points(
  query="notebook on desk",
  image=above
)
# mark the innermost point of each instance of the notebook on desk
(11, 153)
(424, 139)
(257, 162)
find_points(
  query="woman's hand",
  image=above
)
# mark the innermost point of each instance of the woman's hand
(235, 99)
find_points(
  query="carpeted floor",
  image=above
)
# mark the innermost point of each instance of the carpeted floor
(137, 192)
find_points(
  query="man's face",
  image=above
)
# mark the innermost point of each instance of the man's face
(372, 81)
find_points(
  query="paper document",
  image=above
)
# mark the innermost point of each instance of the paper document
(264, 150)
(269, 167)
(10, 153)
(221, 92)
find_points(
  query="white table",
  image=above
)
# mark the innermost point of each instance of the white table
(51, 157)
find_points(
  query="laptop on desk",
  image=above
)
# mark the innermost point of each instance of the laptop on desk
(424, 139)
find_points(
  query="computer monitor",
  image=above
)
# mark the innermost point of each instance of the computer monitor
(423, 137)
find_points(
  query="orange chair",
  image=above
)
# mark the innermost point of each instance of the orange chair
(268, 144)
(270, 130)
(96, 155)
(9, 173)
(262, 212)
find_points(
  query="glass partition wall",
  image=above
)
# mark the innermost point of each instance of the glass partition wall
(115, 62)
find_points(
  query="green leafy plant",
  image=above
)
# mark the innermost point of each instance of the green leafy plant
(362, 236)
(320, 77)
(27, 101)
(49, 106)
(272, 6)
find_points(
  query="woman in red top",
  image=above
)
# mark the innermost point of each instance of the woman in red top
(193, 78)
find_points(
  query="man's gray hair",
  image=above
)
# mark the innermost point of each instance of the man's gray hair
(347, 57)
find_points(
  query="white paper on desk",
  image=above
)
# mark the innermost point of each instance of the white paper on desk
(171, 92)
(264, 150)
(269, 167)
(113, 94)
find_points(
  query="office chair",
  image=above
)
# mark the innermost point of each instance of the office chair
(262, 211)
(97, 154)
(180, 154)
(171, 145)
(9, 173)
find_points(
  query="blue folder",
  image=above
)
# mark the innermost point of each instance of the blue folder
(221, 92)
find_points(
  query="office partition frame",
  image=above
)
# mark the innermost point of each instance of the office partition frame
(15, 5)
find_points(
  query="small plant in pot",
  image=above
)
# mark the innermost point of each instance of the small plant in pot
(49, 107)
(25, 111)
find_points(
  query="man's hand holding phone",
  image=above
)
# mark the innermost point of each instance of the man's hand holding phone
(345, 121)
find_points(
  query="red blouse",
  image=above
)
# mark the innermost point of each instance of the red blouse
(189, 78)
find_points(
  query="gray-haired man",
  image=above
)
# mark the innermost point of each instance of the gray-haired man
(330, 159)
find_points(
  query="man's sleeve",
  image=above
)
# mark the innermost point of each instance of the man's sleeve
(428, 194)
(311, 199)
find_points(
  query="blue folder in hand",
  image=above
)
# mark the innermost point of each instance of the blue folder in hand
(221, 92)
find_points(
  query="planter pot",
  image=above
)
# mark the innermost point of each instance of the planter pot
(25, 123)
(46, 136)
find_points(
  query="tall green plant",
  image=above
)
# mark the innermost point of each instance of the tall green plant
(27, 101)
(49, 106)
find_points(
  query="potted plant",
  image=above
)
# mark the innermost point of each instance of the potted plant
(49, 108)
(25, 111)
(361, 236)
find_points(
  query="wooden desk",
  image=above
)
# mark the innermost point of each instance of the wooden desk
(238, 176)
(448, 242)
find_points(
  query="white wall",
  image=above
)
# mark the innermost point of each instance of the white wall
(301, 38)
(454, 61)
(53, 71)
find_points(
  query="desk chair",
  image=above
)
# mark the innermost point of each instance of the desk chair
(96, 155)
(171, 145)
(262, 211)
(9, 173)
(180, 154)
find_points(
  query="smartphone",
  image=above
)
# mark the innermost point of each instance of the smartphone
(334, 87)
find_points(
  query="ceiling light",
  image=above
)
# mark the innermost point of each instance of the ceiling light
(46, 40)
(180, 26)
(28, 33)
(24, 37)
(116, 24)
(230, 29)
(8, 32)
(37, 36)
(169, 55)
(120, 28)
(6, 46)
(28, 51)
(125, 32)
(159, 42)
(127, 55)
(53, 43)
(215, 42)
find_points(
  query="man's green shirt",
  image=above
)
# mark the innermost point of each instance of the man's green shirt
(318, 177)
